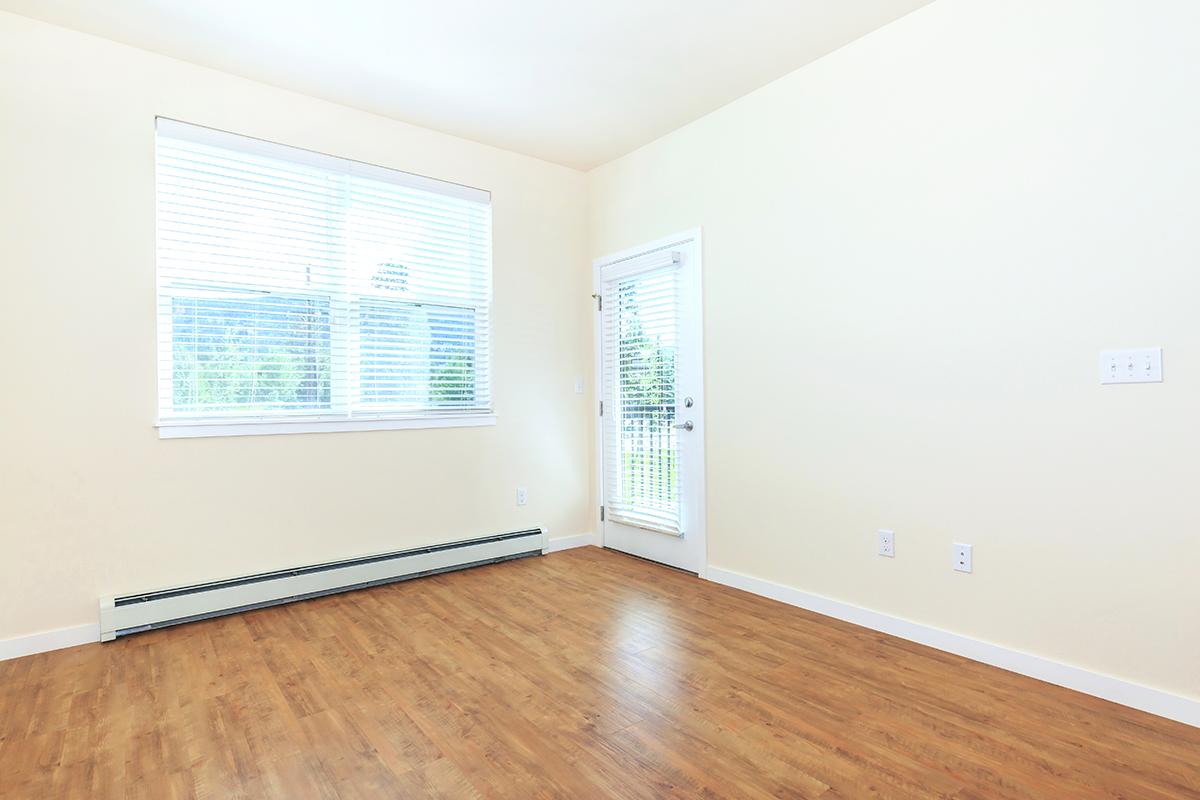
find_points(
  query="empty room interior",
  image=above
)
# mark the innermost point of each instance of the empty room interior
(659, 399)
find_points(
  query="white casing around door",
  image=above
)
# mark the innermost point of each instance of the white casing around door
(650, 378)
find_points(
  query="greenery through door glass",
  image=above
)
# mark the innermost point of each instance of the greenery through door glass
(646, 357)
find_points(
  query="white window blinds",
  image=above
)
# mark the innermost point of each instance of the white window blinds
(297, 286)
(641, 323)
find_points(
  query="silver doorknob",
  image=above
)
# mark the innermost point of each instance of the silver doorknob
(687, 426)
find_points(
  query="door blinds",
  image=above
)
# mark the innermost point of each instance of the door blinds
(641, 328)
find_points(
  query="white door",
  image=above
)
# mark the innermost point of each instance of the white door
(652, 402)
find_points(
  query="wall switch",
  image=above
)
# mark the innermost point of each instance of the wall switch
(962, 557)
(887, 544)
(1143, 365)
(579, 384)
(522, 495)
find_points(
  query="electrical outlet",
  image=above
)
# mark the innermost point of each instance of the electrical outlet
(522, 495)
(887, 544)
(962, 557)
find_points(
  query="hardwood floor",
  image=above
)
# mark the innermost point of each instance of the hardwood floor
(583, 674)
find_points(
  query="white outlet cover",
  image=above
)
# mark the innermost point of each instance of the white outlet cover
(962, 557)
(522, 495)
(887, 544)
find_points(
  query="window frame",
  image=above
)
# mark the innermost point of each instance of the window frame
(184, 427)
(339, 424)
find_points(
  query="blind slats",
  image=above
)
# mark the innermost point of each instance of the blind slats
(292, 284)
(640, 333)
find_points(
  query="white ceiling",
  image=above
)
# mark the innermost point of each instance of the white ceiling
(578, 82)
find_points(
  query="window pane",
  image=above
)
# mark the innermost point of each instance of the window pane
(250, 354)
(438, 244)
(452, 355)
(293, 283)
(245, 221)
(415, 356)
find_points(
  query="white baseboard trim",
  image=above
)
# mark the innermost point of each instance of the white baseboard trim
(49, 640)
(1154, 701)
(567, 542)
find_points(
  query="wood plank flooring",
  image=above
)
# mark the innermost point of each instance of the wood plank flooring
(583, 674)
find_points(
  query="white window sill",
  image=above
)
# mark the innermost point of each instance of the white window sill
(193, 429)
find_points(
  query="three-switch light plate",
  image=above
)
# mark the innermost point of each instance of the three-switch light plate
(1139, 365)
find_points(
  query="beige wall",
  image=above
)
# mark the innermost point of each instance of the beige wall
(914, 250)
(91, 501)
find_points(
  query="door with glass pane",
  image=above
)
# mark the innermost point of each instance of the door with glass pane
(651, 402)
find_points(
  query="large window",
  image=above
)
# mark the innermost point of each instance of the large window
(301, 292)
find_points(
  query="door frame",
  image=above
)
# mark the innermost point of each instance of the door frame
(694, 239)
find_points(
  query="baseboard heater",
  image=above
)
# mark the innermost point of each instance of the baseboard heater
(135, 613)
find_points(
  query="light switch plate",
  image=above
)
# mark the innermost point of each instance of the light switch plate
(1138, 365)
